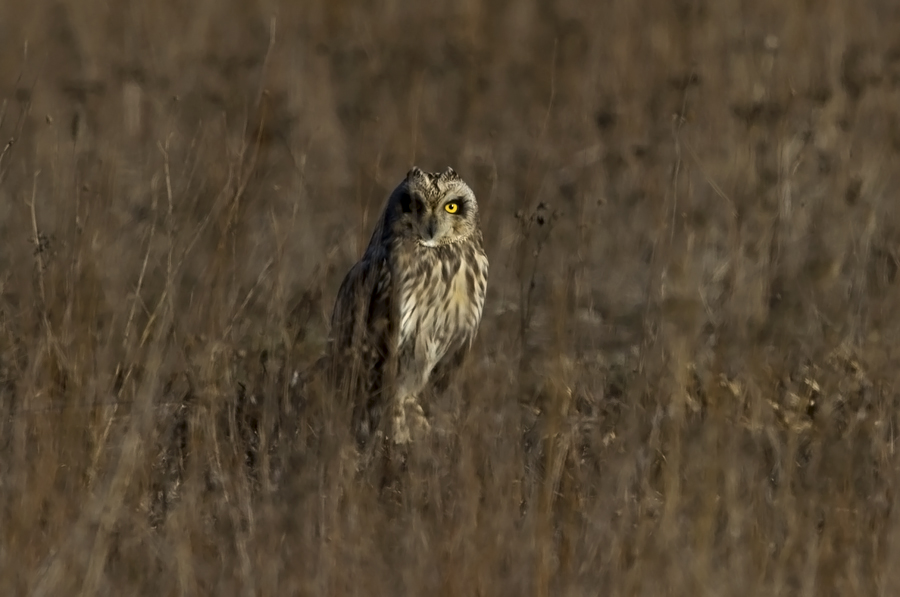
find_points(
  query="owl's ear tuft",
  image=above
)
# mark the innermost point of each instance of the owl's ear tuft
(450, 174)
(415, 172)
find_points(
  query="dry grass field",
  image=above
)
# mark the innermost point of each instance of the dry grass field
(686, 381)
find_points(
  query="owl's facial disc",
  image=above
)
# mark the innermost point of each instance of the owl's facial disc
(435, 209)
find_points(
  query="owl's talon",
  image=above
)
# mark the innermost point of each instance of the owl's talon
(409, 420)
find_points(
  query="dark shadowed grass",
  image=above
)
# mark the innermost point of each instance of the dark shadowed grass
(686, 377)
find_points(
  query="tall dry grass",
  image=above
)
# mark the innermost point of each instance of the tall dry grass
(685, 382)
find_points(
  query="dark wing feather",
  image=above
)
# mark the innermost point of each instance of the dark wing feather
(362, 329)
(445, 370)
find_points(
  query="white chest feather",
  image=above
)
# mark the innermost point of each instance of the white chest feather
(440, 310)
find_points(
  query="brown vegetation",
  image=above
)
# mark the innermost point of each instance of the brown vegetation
(685, 382)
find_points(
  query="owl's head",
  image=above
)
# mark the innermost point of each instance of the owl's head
(433, 208)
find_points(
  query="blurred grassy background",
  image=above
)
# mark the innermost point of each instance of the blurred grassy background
(685, 381)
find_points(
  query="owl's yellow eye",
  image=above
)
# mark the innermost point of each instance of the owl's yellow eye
(452, 207)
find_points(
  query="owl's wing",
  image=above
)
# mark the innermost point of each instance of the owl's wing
(445, 370)
(345, 319)
(362, 311)
(361, 327)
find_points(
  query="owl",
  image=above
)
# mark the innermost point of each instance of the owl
(406, 314)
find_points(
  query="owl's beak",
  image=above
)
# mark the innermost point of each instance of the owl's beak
(430, 228)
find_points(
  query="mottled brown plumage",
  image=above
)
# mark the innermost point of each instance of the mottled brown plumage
(408, 311)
